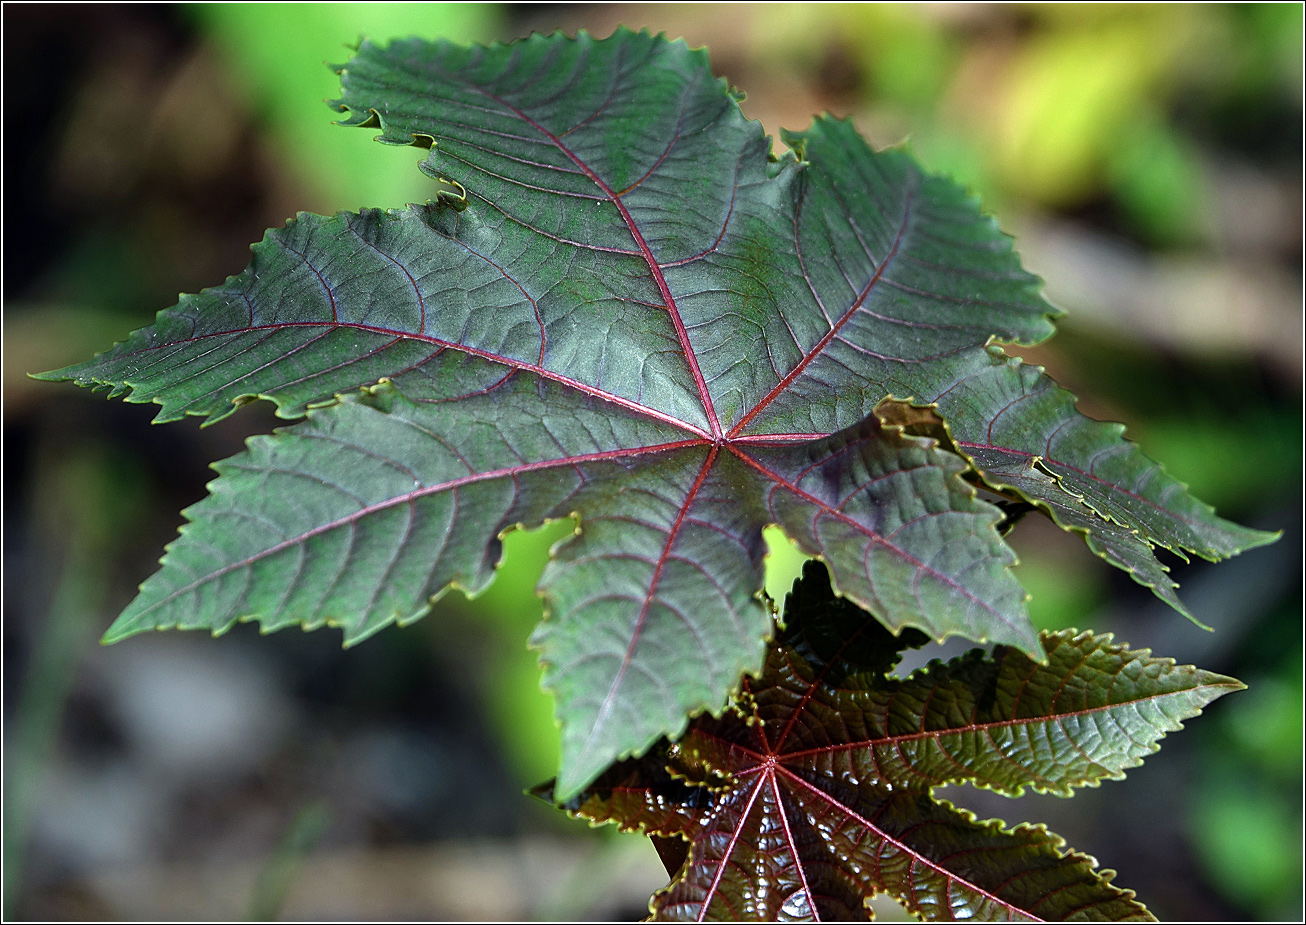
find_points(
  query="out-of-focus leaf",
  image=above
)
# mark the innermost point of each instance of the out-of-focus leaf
(276, 50)
(1196, 447)
(621, 306)
(1074, 87)
(1159, 181)
(908, 56)
(1250, 840)
(509, 610)
(1266, 726)
(817, 792)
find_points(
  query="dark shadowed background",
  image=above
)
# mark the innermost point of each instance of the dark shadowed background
(1148, 159)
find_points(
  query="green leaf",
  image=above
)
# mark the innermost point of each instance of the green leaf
(1022, 432)
(1009, 417)
(816, 793)
(649, 607)
(618, 305)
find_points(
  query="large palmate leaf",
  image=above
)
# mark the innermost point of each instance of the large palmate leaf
(816, 793)
(620, 306)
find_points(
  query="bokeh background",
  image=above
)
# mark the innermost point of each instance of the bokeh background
(1148, 160)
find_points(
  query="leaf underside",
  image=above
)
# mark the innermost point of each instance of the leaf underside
(629, 311)
(816, 793)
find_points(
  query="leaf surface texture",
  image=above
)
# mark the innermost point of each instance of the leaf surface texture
(620, 306)
(817, 791)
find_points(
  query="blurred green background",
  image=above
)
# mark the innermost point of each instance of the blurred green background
(1148, 159)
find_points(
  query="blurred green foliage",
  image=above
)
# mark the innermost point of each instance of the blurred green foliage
(1066, 103)
(509, 609)
(274, 882)
(280, 53)
(1249, 810)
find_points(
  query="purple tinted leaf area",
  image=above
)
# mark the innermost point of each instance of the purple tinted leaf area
(633, 314)
(816, 792)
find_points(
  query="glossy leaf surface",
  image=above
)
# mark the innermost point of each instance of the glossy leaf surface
(817, 792)
(618, 305)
